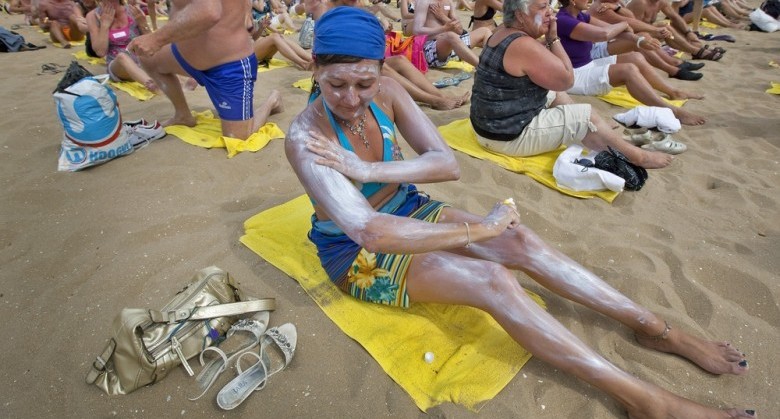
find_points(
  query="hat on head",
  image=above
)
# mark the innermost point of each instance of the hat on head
(349, 31)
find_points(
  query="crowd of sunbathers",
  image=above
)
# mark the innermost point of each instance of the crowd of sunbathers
(379, 238)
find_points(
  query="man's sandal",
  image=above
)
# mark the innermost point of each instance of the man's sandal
(269, 362)
(244, 335)
(707, 54)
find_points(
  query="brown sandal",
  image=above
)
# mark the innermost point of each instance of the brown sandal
(707, 54)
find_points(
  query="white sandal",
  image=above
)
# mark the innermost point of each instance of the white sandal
(284, 337)
(241, 337)
(666, 145)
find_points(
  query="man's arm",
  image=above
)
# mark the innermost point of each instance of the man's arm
(419, 26)
(192, 19)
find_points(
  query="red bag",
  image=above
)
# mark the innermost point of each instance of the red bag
(411, 48)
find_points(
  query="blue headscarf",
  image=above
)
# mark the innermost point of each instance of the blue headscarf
(349, 31)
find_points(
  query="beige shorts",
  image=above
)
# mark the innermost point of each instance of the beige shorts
(552, 128)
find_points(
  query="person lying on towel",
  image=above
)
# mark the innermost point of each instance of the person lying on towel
(383, 241)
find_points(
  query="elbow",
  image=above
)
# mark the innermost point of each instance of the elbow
(369, 237)
(452, 171)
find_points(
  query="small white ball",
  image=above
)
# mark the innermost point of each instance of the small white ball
(429, 357)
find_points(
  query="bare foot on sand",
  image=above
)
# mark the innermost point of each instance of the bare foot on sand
(151, 86)
(687, 118)
(652, 159)
(446, 103)
(275, 100)
(682, 94)
(714, 357)
(187, 121)
(663, 405)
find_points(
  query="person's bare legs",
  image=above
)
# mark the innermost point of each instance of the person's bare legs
(151, 7)
(164, 69)
(604, 137)
(243, 129)
(418, 90)
(479, 280)
(448, 42)
(56, 34)
(125, 68)
(629, 75)
(652, 77)
(625, 45)
(679, 42)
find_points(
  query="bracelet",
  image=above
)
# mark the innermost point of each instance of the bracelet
(639, 41)
(468, 234)
(551, 43)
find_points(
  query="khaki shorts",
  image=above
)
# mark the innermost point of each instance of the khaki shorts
(552, 128)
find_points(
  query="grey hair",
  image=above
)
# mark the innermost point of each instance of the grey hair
(510, 7)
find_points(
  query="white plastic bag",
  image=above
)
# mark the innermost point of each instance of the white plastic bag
(765, 22)
(92, 125)
(576, 177)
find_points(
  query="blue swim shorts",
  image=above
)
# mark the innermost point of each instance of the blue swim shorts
(230, 85)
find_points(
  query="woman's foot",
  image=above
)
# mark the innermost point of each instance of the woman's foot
(713, 357)
(660, 404)
(682, 94)
(687, 118)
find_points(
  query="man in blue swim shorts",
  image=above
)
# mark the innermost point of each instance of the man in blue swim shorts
(208, 41)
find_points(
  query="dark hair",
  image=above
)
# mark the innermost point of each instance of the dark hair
(564, 3)
(326, 59)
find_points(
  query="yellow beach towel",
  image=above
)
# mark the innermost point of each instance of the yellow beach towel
(207, 133)
(304, 84)
(775, 89)
(134, 89)
(82, 55)
(619, 96)
(473, 357)
(461, 136)
(459, 65)
(273, 64)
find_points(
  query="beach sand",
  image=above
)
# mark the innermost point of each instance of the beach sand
(699, 244)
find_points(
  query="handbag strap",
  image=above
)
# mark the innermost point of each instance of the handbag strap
(100, 362)
(209, 312)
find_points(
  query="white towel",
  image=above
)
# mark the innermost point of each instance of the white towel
(650, 117)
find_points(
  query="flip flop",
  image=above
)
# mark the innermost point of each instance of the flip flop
(666, 145)
(241, 337)
(462, 76)
(447, 81)
(284, 338)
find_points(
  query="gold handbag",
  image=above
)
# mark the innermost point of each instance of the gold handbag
(147, 344)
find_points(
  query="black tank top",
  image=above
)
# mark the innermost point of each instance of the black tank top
(502, 105)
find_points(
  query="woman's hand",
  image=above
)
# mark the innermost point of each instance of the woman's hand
(504, 216)
(338, 158)
(650, 44)
(107, 15)
(138, 15)
(552, 30)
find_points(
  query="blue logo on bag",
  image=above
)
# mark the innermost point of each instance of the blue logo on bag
(92, 118)
(75, 155)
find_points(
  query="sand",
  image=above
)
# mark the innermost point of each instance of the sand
(700, 244)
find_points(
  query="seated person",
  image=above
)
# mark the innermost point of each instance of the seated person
(382, 241)
(407, 16)
(515, 109)
(24, 7)
(709, 12)
(274, 14)
(111, 28)
(266, 46)
(484, 11)
(681, 37)
(208, 40)
(436, 19)
(63, 20)
(598, 76)
(613, 11)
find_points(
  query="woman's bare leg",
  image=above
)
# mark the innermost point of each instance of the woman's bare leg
(604, 137)
(435, 100)
(653, 57)
(450, 278)
(629, 75)
(126, 69)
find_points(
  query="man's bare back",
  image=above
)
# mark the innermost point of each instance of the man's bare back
(645, 10)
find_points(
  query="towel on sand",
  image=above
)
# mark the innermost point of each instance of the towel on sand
(207, 133)
(273, 64)
(459, 65)
(304, 84)
(473, 357)
(619, 96)
(775, 89)
(82, 55)
(461, 136)
(133, 88)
